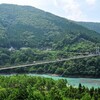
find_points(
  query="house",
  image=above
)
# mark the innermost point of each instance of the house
(11, 49)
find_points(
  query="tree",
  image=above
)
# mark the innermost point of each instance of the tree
(86, 97)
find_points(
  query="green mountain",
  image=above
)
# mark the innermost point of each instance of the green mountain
(91, 26)
(34, 29)
(25, 26)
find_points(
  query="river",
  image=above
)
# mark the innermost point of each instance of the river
(87, 82)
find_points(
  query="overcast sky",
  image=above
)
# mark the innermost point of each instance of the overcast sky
(79, 10)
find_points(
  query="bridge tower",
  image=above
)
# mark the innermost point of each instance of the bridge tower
(97, 50)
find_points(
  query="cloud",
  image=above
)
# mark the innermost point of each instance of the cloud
(91, 2)
(71, 8)
(20, 2)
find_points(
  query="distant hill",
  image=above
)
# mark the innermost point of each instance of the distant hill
(91, 26)
(25, 26)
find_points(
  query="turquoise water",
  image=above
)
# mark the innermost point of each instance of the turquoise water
(87, 82)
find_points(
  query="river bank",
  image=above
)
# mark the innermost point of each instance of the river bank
(87, 82)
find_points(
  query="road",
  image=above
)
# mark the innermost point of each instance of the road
(47, 62)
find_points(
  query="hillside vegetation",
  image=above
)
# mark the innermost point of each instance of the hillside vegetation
(91, 25)
(36, 35)
(24, 26)
(37, 88)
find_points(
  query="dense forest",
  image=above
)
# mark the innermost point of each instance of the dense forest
(22, 87)
(25, 26)
(91, 25)
(28, 34)
(87, 67)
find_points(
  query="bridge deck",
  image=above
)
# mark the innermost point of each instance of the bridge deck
(52, 61)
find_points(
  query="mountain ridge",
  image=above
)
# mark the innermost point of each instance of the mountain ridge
(26, 26)
(91, 25)
(35, 35)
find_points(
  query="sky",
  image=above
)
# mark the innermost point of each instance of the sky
(78, 10)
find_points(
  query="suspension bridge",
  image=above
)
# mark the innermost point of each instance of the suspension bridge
(51, 61)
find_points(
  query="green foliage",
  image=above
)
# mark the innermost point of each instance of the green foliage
(86, 97)
(30, 27)
(35, 36)
(40, 36)
(23, 87)
(87, 67)
(91, 25)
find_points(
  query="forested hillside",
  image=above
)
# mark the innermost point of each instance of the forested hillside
(36, 35)
(25, 26)
(91, 25)
(29, 35)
